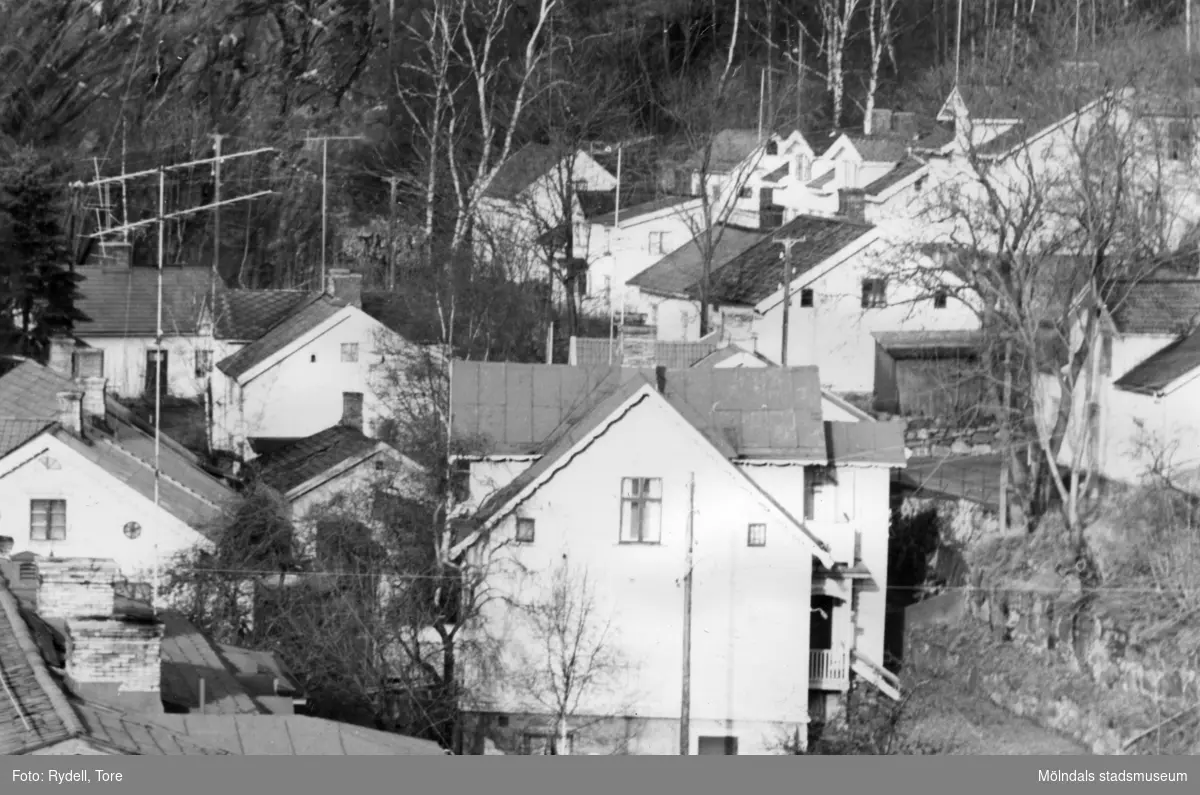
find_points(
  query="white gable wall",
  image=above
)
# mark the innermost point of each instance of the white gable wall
(98, 507)
(125, 362)
(750, 609)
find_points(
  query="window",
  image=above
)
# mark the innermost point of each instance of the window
(746, 193)
(717, 746)
(203, 363)
(1106, 348)
(460, 480)
(803, 168)
(641, 510)
(756, 536)
(772, 147)
(525, 529)
(874, 293)
(352, 409)
(47, 520)
(1179, 140)
(156, 371)
(656, 242)
(87, 364)
(607, 240)
(349, 351)
(806, 297)
(817, 479)
(581, 184)
(939, 299)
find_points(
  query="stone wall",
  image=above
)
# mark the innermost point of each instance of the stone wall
(933, 437)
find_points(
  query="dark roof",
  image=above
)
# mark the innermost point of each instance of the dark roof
(823, 180)
(755, 273)
(190, 656)
(729, 149)
(246, 315)
(904, 169)
(305, 318)
(881, 148)
(678, 270)
(125, 302)
(594, 203)
(295, 735)
(1163, 368)
(298, 462)
(1159, 306)
(524, 167)
(14, 433)
(925, 344)
(121, 449)
(777, 174)
(866, 442)
(645, 208)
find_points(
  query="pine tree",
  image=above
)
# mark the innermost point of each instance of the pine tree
(39, 288)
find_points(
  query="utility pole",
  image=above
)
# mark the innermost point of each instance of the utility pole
(324, 141)
(216, 268)
(685, 704)
(958, 43)
(160, 220)
(393, 181)
(1006, 441)
(786, 256)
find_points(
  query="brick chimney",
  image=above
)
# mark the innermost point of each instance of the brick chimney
(852, 204)
(61, 349)
(70, 410)
(115, 659)
(345, 286)
(905, 123)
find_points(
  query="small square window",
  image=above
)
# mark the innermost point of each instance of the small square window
(806, 297)
(657, 245)
(939, 299)
(641, 510)
(349, 351)
(757, 535)
(772, 147)
(313, 358)
(874, 293)
(525, 530)
(203, 363)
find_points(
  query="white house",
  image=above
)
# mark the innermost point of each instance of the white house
(533, 194)
(77, 476)
(608, 470)
(326, 362)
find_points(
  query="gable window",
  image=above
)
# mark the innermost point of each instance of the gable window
(156, 371)
(803, 168)
(874, 293)
(641, 510)
(349, 351)
(1179, 140)
(203, 363)
(939, 299)
(806, 297)
(746, 193)
(818, 480)
(656, 245)
(756, 535)
(525, 530)
(352, 409)
(47, 520)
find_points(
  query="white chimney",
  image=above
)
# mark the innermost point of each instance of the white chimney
(59, 360)
(93, 398)
(76, 587)
(70, 411)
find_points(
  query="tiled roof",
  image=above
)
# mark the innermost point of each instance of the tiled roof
(14, 433)
(132, 735)
(298, 462)
(755, 273)
(304, 319)
(294, 735)
(246, 315)
(124, 451)
(678, 270)
(904, 169)
(125, 302)
(645, 208)
(524, 167)
(1160, 370)
(1160, 306)
(730, 148)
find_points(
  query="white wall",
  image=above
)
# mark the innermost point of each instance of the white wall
(98, 507)
(750, 608)
(302, 394)
(835, 333)
(125, 362)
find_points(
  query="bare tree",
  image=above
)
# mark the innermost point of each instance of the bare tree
(880, 28)
(837, 18)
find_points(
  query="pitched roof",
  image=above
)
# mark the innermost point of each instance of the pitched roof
(881, 148)
(1158, 306)
(777, 174)
(123, 450)
(1153, 375)
(904, 169)
(597, 203)
(294, 735)
(644, 208)
(312, 313)
(755, 273)
(730, 148)
(246, 315)
(728, 352)
(298, 462)
(15, 432)
(190, 656)
(524, 167)
(37, 712)
(125, 302)
(681, 268)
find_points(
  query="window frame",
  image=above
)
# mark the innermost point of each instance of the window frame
(808, 298)
(756, 534)
(874, 293)
(940, 299)
(651, 247)
(350, 348)
(76, 359)
(48, 526)
(203, 363)
(525, 538)
(639, 497)
(162, 368)
(746, 192)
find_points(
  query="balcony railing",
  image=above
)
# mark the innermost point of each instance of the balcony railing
(828, 669)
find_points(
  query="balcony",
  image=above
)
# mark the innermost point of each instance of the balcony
(828, 669)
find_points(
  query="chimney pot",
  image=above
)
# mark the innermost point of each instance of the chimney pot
(70, 411)
(345, 286)
(60, 358)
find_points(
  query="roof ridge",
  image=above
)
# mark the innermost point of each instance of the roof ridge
(41, 671)
(163, 475)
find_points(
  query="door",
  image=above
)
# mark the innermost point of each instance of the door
(156, 369)
(718, 746)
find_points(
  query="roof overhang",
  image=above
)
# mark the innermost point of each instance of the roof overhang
(891, 190)
(869, 237)
(341, 468)
(321, 329)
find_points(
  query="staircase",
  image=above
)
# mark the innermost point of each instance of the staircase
(883, 679)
